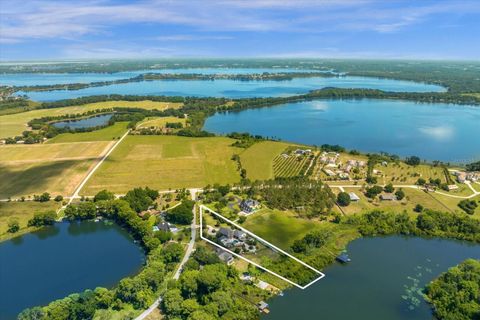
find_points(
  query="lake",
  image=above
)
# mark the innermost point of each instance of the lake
(233, 88)
(32, 79)
(56, 261)
(95, 121)
(431, 131)
(383, 281)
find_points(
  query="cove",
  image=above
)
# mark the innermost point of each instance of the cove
(90, 122)
(233, 88)
(383, 281)
(437, 131)
(66, 258)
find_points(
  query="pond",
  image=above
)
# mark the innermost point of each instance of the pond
(431, 131)
(56, 261)
(233, 88)
(91, 122)
(384, 280)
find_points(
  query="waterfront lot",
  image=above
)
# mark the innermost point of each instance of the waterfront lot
(21, 212)
(163, 162)
(106, 134)
(15, 124)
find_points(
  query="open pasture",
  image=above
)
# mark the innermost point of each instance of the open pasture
(15, 124)
(109, 133)
(164, 162)
(55, 168)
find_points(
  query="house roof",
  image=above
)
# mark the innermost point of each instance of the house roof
(353, 196)
(388, 196)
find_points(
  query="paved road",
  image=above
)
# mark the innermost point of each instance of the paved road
(191, 244)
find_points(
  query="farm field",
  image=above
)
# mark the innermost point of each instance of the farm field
(55, 168)
(15, 124)
(21, 212)
(159, 122)
(401, 173)
(291, 166)
(258, 159)
(412, 198)
(106, 134)
(164, 162)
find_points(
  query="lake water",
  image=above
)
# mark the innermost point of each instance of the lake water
(383, 281)
(99, 120)
(233, 88)
(431, 131)
(56, 261)
(32, 79)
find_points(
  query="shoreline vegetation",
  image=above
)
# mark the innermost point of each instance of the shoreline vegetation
(266, 76)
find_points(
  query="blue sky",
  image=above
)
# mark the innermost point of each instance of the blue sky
(104, 29)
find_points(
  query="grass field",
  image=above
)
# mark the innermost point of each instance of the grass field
(402, 173)
(21, 212)
(159, 122)
(106, 134)
(258, 159)
(280, 228)
(15, 124)
(55, 168)
(164, 162)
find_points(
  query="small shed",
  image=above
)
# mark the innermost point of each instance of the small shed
(353, 196)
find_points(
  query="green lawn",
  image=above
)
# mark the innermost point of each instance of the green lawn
(15, 124)
(22, 212)
(105, 134)
(56, 168)
(160, 122)
(164, 162)
(280, 228)
(258, 159)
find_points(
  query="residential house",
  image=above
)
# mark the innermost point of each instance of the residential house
(226, 232)
(388, 197)
(353, 197)
(249, 205)
(240, 235)
(226, 257)
(167, 227)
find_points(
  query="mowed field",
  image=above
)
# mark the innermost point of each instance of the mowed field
(21, 212)
(55, 168)
(106, 134)
(164, 162)
(15, 124)
(160, 122)
(258, 159)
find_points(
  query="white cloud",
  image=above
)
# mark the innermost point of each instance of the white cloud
(441, 133)
(40, 19)
(186, 37)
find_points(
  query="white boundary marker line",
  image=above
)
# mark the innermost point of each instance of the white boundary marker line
(201, 207)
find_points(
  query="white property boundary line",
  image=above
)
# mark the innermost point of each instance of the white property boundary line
(202, 207)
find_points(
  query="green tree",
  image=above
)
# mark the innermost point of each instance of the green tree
(103, 195)
(389, 188)
(343, 199)
(400, 194)
(13, 225)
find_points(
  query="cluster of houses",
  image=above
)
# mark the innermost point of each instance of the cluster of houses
(235, 240)
(298, 153)
(334, 169)
(463, 177)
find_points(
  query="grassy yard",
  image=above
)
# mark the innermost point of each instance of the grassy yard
(258, 159)
(15, 124)
(412, 198)
(401, 173)
(164, 162)
(55, 168)
(280, 228)
(106, 134)
(21, 212)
